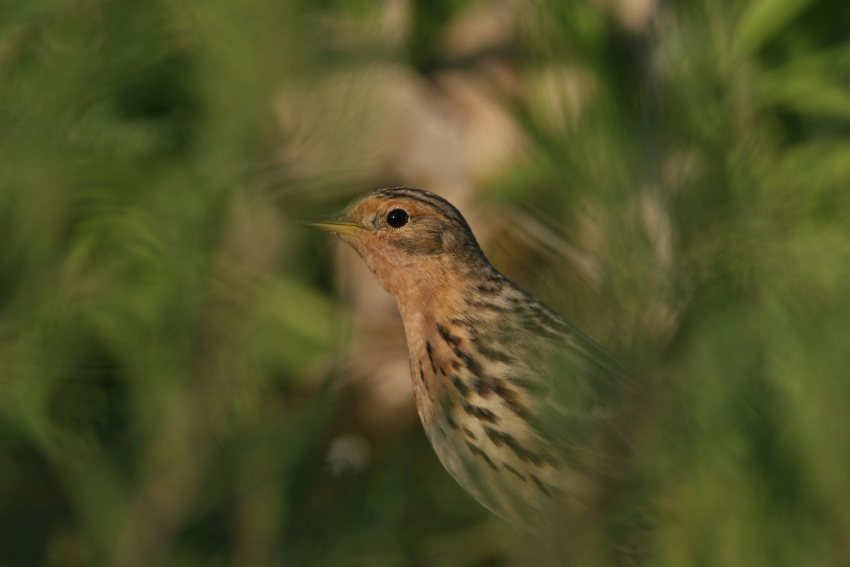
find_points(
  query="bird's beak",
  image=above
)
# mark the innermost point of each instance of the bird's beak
(333, 223)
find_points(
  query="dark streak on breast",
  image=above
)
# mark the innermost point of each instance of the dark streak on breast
(470, 363)
(430, 356)
(422, 378)
(469, 433)
(495, 436)
(476, 451)
(512, 402)
(482, 414)
(543, 488)
(493, 354)
(461, 387)
(500, 438)
(513, 470)
(451, 422)
(489, 287)
(485, 385)
(452, 340)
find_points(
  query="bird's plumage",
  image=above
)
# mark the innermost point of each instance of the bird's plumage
(517, 402)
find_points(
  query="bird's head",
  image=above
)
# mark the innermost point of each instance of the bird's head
(408, 237)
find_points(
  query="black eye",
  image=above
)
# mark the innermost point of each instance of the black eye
(397, 218)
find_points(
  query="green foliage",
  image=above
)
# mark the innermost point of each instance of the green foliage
(737, 124)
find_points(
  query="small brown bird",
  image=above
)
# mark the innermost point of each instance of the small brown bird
(518, 404)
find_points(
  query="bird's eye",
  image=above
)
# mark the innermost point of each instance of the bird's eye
(397, 218)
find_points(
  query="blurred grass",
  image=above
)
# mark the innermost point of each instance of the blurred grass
(169, 356)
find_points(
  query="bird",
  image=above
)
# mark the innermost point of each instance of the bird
(522, 408)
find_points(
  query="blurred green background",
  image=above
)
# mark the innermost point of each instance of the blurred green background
(188, 377)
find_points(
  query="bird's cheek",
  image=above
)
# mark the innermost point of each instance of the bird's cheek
(401, 262)
(448, 240)
(381, 259)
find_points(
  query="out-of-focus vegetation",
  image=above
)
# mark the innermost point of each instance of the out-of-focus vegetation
(175, 380)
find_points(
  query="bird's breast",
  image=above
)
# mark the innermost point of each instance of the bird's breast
(479, 422)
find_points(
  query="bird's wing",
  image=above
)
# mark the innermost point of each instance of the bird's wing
(576, 389)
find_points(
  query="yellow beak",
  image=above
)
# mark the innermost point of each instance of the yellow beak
(333, 225)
